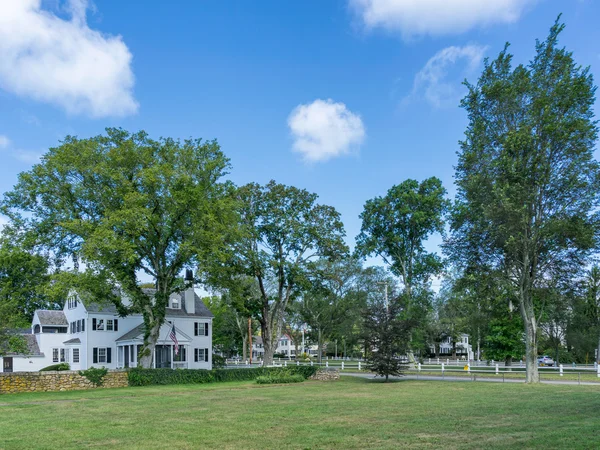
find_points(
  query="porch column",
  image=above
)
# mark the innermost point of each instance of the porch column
(172, 352)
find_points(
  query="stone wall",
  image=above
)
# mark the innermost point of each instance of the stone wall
(67, 380)
(326, 375)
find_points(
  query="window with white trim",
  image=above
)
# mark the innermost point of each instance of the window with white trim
(60, 355)
(200, 355)
(101, 355)
(109, 325)
(100, 325)
(76, 356)
(175, 303)
(200, 328)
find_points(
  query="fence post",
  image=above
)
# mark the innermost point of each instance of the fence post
(447, 361)
(429, 360)
(419, 367)
(342, 365)
(561, 370)
(497, 369)
(438, 360)
(468, 367)
(246, 362)
(237, 362)
(326, 363)
(311, 362)
(442, 367)
(285, 363)
(359, 366)
(598, 370)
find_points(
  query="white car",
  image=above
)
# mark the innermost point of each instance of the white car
(545, 361)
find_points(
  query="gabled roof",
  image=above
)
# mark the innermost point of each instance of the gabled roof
(56, 318)
(137, 334)
(32, 347)
(132, 334)
(201, 309)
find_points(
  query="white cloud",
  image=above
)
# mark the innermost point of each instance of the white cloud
(437, 17)
(433, 83)
(4, 141)
(324, 129)
(64, 62)
(27, 156)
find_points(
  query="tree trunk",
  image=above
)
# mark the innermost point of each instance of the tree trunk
(320, 345)
(269, 347)
(533, 375)
(147, 353)
(244, 348)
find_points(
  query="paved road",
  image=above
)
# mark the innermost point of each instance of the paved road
(466, 379)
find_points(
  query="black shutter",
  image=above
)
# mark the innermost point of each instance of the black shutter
(116, 324)
(82, 324)
(205, 355)
(108, 355)
(206, 329)
(95, 351)
(195, 355)
(94, 324)
(195, 328)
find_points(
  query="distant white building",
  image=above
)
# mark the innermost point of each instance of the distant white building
(95, 336)
(463, 347)
(285, 346)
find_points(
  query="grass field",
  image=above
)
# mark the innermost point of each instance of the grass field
(351, 413)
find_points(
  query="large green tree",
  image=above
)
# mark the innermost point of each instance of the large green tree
(396, 227)
(285, 233)
(527, 179)
(124, 204)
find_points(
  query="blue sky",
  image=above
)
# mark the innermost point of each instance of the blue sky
(342, 97)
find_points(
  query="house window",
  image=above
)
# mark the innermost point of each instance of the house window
(200, 328)
(60, 355)
(82, 325)
(76, 356)
(175, 303)
(71, 303)
(101, 355)
(78, 329)
(181, 356)
(101, 325)
(37, 329)
(200, 355)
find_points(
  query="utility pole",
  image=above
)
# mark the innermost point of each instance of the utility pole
(250, 338)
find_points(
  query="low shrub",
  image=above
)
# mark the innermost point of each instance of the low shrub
(146, 377)
(95, 375)
(54, 367)
(218, 361)
(280, 379)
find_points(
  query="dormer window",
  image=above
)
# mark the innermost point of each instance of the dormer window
(72, 303)
(175, 303)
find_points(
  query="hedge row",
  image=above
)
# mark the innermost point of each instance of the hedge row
(146, 377)
(280, 379)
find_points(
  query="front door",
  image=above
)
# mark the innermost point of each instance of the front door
(126, 356)
(8, 364)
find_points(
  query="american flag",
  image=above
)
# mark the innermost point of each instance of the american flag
(173, 337)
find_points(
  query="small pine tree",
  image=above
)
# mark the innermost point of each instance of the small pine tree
(386, 338)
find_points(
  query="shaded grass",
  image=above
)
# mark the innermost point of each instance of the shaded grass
(351, 413)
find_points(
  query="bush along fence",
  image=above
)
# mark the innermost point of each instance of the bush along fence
(147, 377)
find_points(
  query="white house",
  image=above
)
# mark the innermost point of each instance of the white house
(285, 345)
(95, 336)
(463, 347)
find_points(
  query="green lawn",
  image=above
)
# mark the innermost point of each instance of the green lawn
(351, 413)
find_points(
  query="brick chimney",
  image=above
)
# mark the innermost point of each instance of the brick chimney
(190, 300)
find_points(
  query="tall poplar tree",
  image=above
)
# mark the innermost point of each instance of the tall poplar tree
(526, 177)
